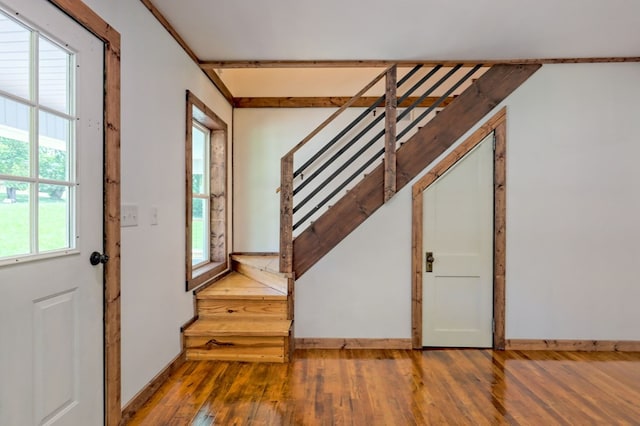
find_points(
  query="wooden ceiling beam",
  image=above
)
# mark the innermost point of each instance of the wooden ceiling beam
(227, 64)
(325, 102)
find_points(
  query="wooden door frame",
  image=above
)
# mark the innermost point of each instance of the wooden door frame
(497, 124)
(90, 20)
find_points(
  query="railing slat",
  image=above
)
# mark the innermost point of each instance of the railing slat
(418, 84)
(429, 91)
(339, 153)
(391, 106)
(351, 125)
(339, 188)
(339, 136)
(344, 132)
(439, 101)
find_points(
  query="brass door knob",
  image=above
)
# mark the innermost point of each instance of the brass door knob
(429, 261)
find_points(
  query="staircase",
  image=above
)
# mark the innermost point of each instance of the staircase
(316, 216)
(248, 314)
(245, 316)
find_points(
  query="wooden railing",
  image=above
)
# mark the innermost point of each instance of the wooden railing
(287, 175)
(328, 162)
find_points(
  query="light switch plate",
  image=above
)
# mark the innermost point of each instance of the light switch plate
(129, 215)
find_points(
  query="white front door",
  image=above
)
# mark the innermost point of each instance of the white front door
(51, 216)
(458, 233)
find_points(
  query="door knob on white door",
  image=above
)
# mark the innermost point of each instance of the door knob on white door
(97, 258)
(429, 261)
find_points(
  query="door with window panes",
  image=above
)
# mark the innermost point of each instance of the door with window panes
(51, 141)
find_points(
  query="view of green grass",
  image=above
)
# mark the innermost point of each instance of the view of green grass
(196, 234)
(14, 225)
(197, 240)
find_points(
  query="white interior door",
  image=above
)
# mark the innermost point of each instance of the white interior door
(51, 218)
(457, 296)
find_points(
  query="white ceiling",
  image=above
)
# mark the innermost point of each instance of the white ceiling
(405, 29)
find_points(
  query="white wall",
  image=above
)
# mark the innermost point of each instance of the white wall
(573, 199)
(262, 137)
(573, 202)
(155, 75)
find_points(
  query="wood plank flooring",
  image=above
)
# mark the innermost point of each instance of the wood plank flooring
(404, 387)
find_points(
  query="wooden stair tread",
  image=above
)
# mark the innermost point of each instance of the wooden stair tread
(235, 327)
(236, 285)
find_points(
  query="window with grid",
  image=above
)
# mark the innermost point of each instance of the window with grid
(37, 144)
(200, 237)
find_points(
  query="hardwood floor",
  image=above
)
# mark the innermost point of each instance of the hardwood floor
(404, 387)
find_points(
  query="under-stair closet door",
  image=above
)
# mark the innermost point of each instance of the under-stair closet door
(458, 253)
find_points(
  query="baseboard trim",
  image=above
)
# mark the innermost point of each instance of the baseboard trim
(333, 343)
(147, 392)
(573, 345)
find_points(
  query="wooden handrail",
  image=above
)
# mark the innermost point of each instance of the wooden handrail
(339, 111)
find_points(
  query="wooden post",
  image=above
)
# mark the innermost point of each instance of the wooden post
(500, 228)
(286, 214)
(391, 105)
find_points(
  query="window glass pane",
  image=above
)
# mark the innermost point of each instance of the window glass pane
(14, 138)
(15, 208)
(53, 214)
(53, 149)
(199, 231)
(199, 140)
(14, 52)
(53, 76)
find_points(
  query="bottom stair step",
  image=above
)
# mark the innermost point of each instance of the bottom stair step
(251, 349)
(238, 340)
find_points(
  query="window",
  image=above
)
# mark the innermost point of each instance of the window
(200, 140)
(206, 171)
(37, 145)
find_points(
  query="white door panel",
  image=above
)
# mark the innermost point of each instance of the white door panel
(51, 329)
(458, 230)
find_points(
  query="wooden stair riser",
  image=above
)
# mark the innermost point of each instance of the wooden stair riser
(237, 348)
(242, 309)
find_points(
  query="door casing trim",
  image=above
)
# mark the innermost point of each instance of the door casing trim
(497, 124)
